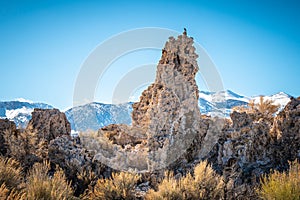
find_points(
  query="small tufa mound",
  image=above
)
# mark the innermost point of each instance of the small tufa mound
(49, 123)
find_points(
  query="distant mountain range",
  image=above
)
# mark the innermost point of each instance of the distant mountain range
(96, 115)
(19, 110)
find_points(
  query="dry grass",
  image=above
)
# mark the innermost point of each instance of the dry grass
(10, 173)
(120, 186)
(208, 182)
(25, 147)
(205, 184)
(6, 194)
(265, 107)
(10, 179)
(40, 186)
(169, 189)
(284, 185)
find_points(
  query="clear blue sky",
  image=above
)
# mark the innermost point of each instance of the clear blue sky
(254, 44)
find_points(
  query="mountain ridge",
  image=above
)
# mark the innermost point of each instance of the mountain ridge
(96, 115)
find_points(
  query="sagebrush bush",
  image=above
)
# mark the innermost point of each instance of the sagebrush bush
(119, 186)
(10, 173)
(6, 194)
(40, 186)
(205, 184)
(169, 189)
(284, 185)
(208, 182)
(25, 147)
(266, 107)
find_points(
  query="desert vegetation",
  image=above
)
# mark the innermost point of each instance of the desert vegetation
(119, 186)
(205, 183)
(244, 157)
(281, 185)
(264, 109)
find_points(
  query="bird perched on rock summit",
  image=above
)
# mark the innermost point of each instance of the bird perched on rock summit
(184, 31)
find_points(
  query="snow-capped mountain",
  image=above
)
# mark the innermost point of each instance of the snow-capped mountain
(96, 115)
(280, 98)
(19, 110)
(221, 103)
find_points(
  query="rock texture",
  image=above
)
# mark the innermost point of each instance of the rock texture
(167, 132)
(165, 120)
(5, 125)
(77, 162)
(168, 109)
(47, 137)
(49, 123)
(286, 129)
(250, 146)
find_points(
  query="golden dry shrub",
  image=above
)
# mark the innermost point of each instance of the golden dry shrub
(40, 186)
(10, 179)
(205, 184)
(209, 184)
(119, 186)
(266, 107)
(285, 186)
(169, 189)
(6, 194)
(10, 173)
(25, 147)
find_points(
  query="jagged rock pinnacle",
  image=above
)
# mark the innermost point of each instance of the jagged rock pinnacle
(168, 109)
(165, 120)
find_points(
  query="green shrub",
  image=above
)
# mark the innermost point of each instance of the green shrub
(120, 186)
(284, 185)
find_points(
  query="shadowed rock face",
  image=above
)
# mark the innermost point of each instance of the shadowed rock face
(168, 131)
(5, 125)
(287, 130)
(49, 123)
(250, 146)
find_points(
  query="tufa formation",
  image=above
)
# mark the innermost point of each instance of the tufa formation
(167, 133)
(165, 120)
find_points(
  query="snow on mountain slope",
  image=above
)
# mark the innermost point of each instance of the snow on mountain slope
(96, 115)
(19, 111)
(11, 114)
(280, 98)
(221, 103)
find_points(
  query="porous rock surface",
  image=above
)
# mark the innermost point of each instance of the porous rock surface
(165, 120)
(250, 146)
(49, 123)
(168, 132)
(5, 125)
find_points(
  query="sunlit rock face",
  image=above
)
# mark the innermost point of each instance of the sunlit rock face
(165, 120)
(168, 109)
(49, 123)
